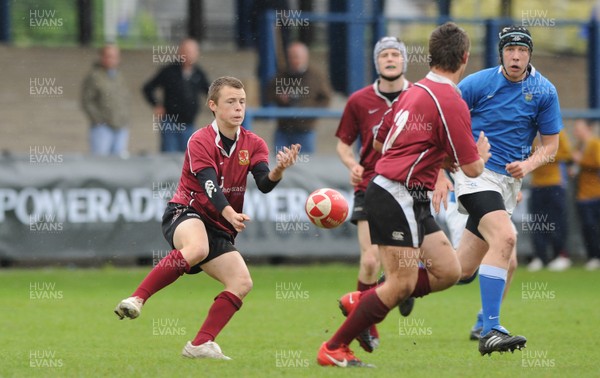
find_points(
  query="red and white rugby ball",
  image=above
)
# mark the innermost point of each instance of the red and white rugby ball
(326, 208)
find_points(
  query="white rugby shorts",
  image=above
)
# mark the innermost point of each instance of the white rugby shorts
(507, 186)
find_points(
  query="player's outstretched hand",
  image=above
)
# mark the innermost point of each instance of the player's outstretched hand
(287, 156)
(235, 219)
(285, 159)
(440, 193)
(483, 147)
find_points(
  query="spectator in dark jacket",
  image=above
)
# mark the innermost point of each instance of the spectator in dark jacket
(183, 84)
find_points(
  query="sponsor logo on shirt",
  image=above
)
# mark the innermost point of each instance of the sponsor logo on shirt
(234, 189)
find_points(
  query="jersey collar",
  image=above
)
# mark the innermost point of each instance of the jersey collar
(218, 142)
(378, 92)
(442, 80)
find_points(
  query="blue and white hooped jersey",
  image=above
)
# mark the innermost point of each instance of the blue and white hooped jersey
(510, 114)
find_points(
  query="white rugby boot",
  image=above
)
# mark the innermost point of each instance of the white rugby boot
(130, 307)
(209, 349)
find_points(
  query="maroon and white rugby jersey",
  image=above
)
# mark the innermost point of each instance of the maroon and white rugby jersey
(428, 122)
(204, 150)
(362, 114)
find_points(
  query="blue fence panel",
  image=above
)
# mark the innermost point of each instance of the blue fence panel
(357, 23)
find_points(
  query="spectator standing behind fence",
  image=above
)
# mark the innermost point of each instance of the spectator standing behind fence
(106, 99)
(587, 156)
(548, 209)
(182, 84)
(300, 85)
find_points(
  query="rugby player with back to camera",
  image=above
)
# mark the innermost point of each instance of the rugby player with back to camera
(397, 201)
(360, 121)
(205, 214)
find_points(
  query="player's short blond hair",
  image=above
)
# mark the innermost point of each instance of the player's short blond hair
(225, 81)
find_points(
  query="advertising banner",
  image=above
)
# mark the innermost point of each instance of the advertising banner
(84, 207)
(60, 206)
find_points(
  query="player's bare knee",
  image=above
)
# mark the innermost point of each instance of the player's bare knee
(243, 286)
(370, 263)
(467, 272)
(194, 253)
(504, 241)
(510, 239)
(404, 291)
(446, 273)
(398, 290)
(452, 274)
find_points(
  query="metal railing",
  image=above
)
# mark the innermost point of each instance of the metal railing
(272, 112)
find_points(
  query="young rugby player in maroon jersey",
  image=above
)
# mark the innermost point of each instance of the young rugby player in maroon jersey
(430, 122)
(205, 214)
(361, 118)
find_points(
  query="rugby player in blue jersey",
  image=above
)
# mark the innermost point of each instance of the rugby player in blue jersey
(510, 103)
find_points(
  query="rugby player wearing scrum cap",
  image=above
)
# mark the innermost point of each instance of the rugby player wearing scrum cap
(511, 104)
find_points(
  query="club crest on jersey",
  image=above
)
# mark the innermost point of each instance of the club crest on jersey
(244, 157)
(528, 97)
